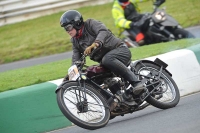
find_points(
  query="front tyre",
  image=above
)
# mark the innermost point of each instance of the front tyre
(182, 33)
(167, 93)
(91, 113)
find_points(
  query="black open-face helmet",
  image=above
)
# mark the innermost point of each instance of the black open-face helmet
(72, 17)
(121, 1)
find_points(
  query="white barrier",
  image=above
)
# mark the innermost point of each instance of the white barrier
(185, 69)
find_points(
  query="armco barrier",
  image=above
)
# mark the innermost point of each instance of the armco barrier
(34, 108)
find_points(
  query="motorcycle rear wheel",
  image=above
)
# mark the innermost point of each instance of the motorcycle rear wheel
(167, 89)
(92, 114)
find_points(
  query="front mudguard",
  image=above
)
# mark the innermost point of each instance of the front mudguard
(157, 62)
(61, 85)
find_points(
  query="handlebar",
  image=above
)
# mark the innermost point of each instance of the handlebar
(157, 4)
(80, 63)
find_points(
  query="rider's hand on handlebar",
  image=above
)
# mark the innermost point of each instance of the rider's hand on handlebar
(66, 78)
(136, 24)
(88, 50)
(132, 25)
(79, 63)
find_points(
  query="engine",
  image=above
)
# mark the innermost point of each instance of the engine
(114, 84)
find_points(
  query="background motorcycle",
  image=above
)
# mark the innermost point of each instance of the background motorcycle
(157, 27)
(88, 98)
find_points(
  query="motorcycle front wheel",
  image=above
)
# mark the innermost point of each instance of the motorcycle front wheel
(182, 33)
(167, 93)
(84, 107)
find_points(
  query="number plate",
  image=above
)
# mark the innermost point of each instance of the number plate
(73, 73)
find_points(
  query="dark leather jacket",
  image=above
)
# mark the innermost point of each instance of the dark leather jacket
(131, 13)
(94, 30)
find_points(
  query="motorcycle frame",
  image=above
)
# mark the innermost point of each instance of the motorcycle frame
(110, 97)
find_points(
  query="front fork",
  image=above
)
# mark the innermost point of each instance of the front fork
(81, 85)
(81, 94)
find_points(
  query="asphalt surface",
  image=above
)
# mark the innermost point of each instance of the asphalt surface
(36, 61)
(184, 118)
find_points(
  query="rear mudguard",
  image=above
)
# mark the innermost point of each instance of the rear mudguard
(103, 92)
(157, 62)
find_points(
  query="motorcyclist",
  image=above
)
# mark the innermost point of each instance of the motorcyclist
(109, 50)
(126, 14)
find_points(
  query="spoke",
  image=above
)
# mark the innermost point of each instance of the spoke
(70, 100)
(94, 115)
(97, 104)
(83, 115)
(73, 96)
(93, 108)
(75, 93)
(95, 112)
(89, 116)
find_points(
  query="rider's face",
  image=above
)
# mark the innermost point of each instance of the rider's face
(70, 30)
(72, 33)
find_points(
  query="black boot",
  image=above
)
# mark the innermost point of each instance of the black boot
(127, 95)
(138, 87)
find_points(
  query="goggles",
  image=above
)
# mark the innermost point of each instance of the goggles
(69, 27)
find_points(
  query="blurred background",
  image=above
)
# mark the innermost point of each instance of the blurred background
(13, 11)
(30, 28)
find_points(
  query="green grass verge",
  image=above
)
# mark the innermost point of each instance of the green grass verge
(50, 71)
(44, 36)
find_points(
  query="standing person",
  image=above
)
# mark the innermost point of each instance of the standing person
(126, 14)
(110, 51)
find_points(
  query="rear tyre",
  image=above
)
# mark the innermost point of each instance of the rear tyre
(91, 114)
(167, 90)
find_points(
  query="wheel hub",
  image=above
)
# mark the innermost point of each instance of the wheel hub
(82, 106)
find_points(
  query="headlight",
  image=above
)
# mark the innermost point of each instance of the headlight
(83, 77)
(160, 15)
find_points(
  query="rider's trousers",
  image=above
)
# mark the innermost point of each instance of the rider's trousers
(117, 60)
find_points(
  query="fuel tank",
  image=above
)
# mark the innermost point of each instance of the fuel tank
(96, 70)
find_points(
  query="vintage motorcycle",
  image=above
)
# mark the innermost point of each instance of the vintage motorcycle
(157, 27)
(89, 99)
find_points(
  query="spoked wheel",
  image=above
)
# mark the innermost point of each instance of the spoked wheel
(165, 91)
(91, 112)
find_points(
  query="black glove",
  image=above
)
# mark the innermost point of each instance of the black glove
(66, 78)
(134, 24)
(158, 2)
(138, 23)
(79, 63)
